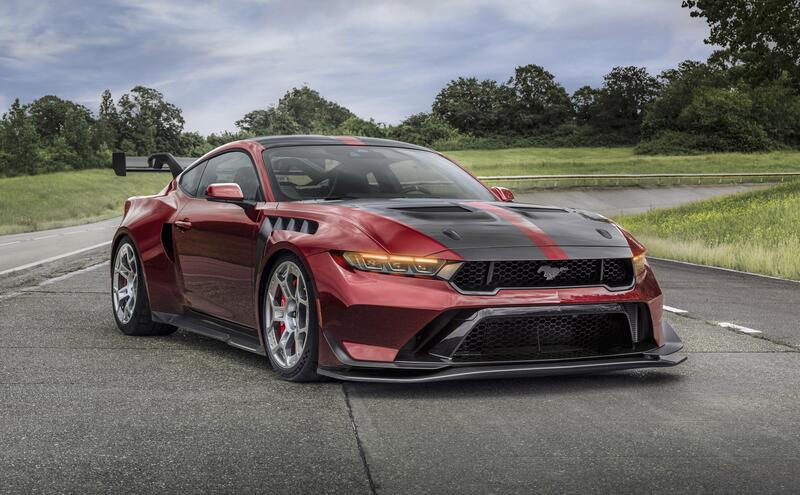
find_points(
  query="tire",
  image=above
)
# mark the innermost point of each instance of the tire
(132, 313)
(290, 329)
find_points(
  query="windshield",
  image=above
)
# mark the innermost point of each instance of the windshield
(353, 172)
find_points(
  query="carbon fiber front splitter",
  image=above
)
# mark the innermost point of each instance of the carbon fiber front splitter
(413, 372)
(506, 371)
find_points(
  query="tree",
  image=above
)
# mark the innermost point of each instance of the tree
(49, 114)
(678, 89)
(225, 137)
(760, 38)
(621, 102)
(312, 112)
(300, 111)
(424, 129)
(19, 143)
(148, 123)
(724, 118)
(78, 137)
(472, 106)
(540, 104)
(106, 128)
(584, 102)
(355, 126)
(193, 144)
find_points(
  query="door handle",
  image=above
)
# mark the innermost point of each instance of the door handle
(183, 224)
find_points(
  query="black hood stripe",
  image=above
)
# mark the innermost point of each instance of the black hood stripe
(484, 231)
(543, 241)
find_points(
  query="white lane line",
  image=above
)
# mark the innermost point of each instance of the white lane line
(9, 243)
(72, 274)
(674, 310)
(53, 280)
(736, 327)
(53, 258)
(44, 237)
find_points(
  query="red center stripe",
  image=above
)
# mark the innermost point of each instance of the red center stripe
(543, 241)
(352, 141)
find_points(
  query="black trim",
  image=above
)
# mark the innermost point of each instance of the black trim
(156, 161)
(166, 241)
(491, 289)
(231, 333)
(506, 371)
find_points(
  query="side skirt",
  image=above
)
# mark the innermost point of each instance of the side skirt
(232, 334)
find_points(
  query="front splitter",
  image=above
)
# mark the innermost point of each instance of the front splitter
(506, 371)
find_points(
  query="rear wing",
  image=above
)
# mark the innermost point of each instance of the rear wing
(155, 163)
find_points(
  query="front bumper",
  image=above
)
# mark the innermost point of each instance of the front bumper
(393, 316)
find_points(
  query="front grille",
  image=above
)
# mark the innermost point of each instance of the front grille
(488, 276)
(546, 337)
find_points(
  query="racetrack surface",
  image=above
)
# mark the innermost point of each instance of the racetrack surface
(86, 409)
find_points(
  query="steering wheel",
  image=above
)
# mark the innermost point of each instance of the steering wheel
(416, 189)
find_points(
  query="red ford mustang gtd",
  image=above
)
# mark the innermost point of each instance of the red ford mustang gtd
(374, 260)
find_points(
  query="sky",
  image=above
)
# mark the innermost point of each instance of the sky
(381, 59)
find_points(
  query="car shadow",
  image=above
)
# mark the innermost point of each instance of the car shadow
(508, 387)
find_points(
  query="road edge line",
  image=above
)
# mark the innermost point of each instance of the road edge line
(53, 258)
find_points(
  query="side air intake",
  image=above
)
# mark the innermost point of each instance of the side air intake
(292, 224)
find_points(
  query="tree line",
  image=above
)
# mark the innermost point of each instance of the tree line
(745, 97)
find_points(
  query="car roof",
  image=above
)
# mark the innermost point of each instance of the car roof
(312, 140)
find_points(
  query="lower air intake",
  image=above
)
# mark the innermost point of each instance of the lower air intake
(546, 337)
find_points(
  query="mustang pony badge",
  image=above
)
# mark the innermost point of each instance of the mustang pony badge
(551, 272)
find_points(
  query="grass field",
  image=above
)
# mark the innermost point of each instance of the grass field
(69, 198)
(757, 231)
(545, 161)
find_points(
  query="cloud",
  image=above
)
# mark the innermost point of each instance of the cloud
(383, 59)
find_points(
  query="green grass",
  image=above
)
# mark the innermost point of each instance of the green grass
(757, 231)
(557, 161)
(69, 198)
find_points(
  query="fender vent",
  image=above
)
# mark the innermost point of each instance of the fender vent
(166, 240)
(292, 224)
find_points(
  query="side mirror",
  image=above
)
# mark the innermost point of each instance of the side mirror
(503, 193)
(227, 192)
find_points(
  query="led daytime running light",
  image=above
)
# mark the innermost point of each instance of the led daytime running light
(401, 265)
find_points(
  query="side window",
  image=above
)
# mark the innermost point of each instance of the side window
(191, 178)
(234, 166)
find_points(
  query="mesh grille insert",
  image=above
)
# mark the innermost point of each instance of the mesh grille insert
(546, 337)
(487, 276)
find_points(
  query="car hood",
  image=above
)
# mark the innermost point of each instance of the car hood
(480, 230)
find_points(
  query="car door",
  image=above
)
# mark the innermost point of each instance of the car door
(215, 242)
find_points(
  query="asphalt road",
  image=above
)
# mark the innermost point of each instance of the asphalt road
(20, 251)
(615, 201)
(86, 409)
(770, 306)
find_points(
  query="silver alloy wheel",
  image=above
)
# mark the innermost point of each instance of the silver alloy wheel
(125, 283)
(286, 315)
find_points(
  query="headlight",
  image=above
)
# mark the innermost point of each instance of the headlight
(639, 264)
(399, 265)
